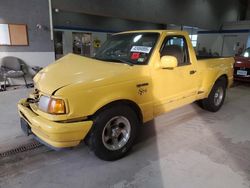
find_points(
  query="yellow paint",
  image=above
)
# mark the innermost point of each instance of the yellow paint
(54, 133)
(87, 85)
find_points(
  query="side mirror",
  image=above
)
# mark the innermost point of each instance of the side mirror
(168, 62)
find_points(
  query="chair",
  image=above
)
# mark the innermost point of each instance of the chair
(1, 80)
(12, 67)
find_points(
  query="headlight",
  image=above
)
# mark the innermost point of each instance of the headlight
(51, 105)
(43, 103)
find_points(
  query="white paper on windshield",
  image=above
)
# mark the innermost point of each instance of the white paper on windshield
(142, 49)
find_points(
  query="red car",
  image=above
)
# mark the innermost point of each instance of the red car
(242, 66)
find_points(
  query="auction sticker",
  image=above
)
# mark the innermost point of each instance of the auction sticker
(142, 49)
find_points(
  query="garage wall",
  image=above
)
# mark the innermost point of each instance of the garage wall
(234, 37)
(226, 44)
(40, 51)
(211, 42)
(207, 14)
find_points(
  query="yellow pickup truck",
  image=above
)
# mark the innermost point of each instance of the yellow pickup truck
(134, 77)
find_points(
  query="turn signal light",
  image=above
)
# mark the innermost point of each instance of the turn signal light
(56, 106)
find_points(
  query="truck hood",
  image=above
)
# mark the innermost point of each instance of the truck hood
(73, 69)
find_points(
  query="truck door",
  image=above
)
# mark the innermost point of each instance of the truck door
(178, 86)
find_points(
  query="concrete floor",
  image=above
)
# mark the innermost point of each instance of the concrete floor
(11, 134)
(186, 148)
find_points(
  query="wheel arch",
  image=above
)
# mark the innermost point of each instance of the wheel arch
(126, 102)
(223, 77)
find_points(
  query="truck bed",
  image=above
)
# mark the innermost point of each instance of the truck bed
(199, 57)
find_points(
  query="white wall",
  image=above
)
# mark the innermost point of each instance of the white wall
(41, 59)
(210, 41)
(217, 43)
(234, 36)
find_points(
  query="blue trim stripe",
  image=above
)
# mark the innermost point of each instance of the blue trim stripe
(225, 31)
(112, 31)
(84, 29)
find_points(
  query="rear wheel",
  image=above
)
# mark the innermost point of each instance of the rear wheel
(113, 133)
(216, 97)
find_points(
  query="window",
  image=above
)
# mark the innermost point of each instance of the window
(13, 34)
(130, 48)
(176, 46)
(4, 34)
(58, 43)
(194, 40)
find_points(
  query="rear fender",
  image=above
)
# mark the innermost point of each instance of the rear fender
(210, 78)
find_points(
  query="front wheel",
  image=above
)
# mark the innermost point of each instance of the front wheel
(113, 133)
(216, 97)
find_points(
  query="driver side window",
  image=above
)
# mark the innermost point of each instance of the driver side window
(176, 46)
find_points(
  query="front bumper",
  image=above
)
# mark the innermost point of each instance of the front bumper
(242, 78)
(245, 78)
(56, 134)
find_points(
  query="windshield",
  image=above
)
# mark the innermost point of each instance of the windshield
(246, 53)
(129, 48)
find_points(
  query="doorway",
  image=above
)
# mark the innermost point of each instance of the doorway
(58, 44)
(82, 43)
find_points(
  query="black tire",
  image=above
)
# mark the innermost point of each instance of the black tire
(210, 103)
(199, 103)
(101, 120)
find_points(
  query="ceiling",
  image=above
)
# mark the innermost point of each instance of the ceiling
(207, 14)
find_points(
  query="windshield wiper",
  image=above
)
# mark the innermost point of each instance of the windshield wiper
(116, 59)
(124, 61)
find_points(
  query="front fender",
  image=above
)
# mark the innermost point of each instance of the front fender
(86, 101)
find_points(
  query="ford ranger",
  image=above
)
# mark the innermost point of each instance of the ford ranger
(134, 77)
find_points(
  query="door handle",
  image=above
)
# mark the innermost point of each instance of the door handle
(192, 72)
